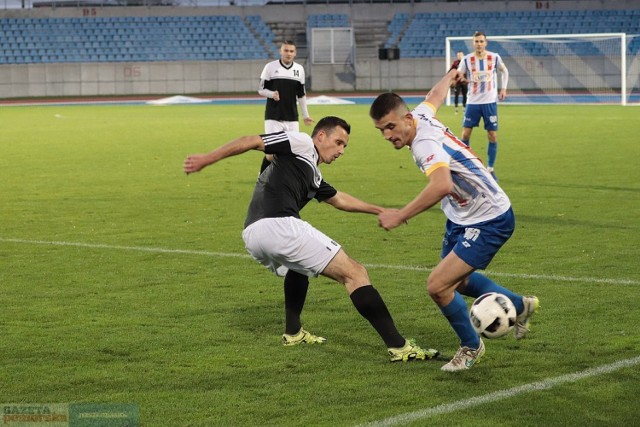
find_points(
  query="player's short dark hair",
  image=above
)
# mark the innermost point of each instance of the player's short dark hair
(288, 42)
(384, 104)
(479, 33)
(329, 123)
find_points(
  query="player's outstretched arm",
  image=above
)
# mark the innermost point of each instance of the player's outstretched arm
(196, 162)
(440, 184)
(347, 202)
(438, 93)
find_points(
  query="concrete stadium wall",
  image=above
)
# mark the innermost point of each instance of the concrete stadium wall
(375, 75)
(136, 78)
(228, 77)
(219, 77)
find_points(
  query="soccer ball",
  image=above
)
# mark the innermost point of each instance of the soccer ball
(492, 315)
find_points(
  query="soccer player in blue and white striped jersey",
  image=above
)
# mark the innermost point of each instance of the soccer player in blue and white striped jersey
(276, 236)
(479, 215)
(480, 68)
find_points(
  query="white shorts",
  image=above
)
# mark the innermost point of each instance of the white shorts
(289, 243)
(272, 126)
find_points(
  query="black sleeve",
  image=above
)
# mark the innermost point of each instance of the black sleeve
(276, 143)
(301, 91)
(325, 191)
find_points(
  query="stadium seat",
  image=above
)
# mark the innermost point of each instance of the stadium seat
(511, 23)
(79, 39)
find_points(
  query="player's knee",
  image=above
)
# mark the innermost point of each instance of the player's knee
(356, 277)
(359, 273)
(436, 290)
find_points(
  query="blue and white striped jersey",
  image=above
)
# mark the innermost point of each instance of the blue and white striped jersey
(476, 196)
(482, 75)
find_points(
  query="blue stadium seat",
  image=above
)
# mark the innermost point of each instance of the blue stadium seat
(110, 38)
(511, 23)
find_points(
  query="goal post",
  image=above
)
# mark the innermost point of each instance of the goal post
(561, 68)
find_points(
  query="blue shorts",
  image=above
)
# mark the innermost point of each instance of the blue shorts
(477, 244)
(488, 113)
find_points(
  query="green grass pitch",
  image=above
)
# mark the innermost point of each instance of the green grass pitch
(124, 281)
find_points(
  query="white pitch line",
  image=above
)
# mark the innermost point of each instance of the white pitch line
(554, 278)
(465, 404)
(549, 277)
(126, 248)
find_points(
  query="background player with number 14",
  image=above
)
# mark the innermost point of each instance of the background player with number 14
(282, 82)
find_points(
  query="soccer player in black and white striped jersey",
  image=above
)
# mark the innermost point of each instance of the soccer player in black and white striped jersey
(282, 82)
(276, 236)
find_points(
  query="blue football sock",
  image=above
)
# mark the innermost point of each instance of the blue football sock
(492, 153)
(467, 142)
(458, 316)
(479, 284)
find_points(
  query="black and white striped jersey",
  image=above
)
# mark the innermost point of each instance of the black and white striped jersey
(292, 179)
(289, 82)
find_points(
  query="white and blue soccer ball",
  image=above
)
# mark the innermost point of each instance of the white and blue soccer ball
(492, 315)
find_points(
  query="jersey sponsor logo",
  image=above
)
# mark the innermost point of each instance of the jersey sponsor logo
(482, 76)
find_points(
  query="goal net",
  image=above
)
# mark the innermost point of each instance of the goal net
(565, 68)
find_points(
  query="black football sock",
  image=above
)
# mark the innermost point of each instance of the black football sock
(295, 293)
(370, 305)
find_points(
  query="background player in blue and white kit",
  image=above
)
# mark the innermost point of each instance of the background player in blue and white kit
(480, 69)
(479, 215)
(276, 236)
(282, 82)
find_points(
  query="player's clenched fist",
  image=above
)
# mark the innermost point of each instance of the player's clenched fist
(194, 163)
